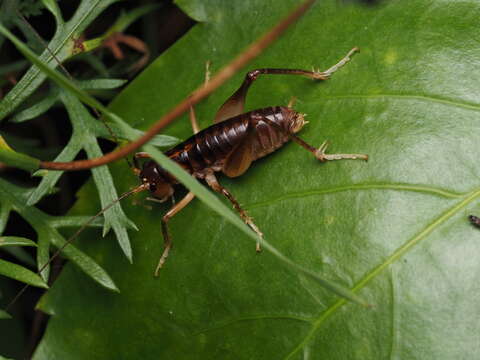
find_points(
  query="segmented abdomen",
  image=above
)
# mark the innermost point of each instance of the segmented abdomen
(209, 148)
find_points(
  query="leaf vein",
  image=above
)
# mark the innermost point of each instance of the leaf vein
(402, 250)
(429, 98)
(395, 187)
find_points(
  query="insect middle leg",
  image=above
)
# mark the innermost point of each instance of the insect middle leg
(212, 181)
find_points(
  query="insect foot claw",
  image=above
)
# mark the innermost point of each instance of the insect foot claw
(254, 227)
(320, 154)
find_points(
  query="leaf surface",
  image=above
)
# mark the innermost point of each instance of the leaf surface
(394, 229)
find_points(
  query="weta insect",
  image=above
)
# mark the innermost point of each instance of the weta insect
(230, 145)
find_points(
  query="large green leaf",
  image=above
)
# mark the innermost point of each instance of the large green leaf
(394, 229)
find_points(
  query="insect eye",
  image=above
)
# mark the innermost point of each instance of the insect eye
(153, 187)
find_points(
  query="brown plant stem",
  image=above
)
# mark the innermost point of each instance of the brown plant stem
(200, 93)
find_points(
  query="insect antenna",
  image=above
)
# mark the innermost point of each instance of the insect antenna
(135, 190)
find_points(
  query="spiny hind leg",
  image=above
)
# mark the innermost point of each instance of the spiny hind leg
(234, 105)
(212, 181)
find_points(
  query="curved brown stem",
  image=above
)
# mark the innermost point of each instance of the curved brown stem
(216, 81)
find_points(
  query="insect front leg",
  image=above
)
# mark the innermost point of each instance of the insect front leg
(166, 236)
(212, 181)
(320, 152)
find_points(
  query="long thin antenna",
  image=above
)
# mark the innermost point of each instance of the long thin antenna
(135, 190)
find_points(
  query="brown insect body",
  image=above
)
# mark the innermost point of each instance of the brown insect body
(209, 149)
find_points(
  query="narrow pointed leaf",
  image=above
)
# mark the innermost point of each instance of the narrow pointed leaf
(22, 274)
(35, 110)
(15, 241)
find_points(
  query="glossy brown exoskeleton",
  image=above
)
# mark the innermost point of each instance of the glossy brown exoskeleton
(230, 145)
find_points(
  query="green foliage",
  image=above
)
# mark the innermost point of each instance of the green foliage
(86, 130)
(61, 47)
(394, 229)
(15, 198)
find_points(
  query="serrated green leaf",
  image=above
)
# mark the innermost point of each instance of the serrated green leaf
(14, 197)
(62, 81)
(61, 46)
(35, 110)
(51, 177)
(114, 217)
(22, 274)
(83, 137)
